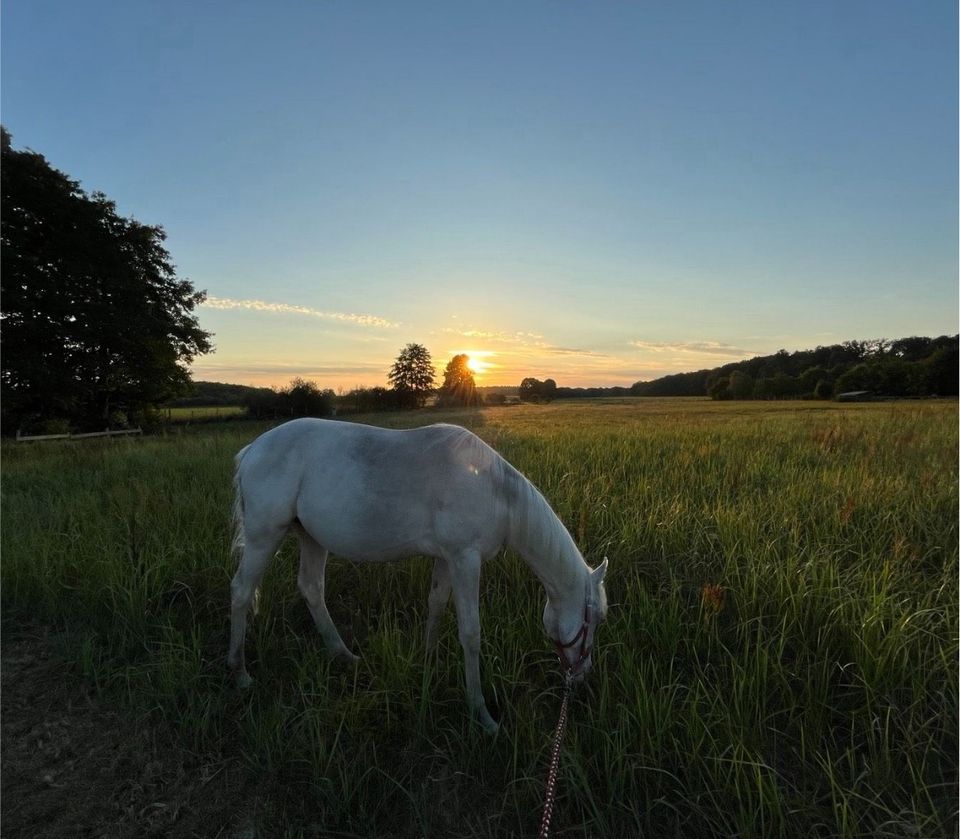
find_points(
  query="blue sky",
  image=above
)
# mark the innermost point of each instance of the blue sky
(596, 192)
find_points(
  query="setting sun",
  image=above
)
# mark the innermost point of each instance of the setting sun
(477, 365)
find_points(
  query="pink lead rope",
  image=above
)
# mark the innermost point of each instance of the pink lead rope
(551, 791)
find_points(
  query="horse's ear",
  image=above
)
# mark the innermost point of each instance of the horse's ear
(599, 572)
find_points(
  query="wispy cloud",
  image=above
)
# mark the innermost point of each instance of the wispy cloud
(547, 348)
(519, 341)
(692, 348)
(288, 309)
(522, 338)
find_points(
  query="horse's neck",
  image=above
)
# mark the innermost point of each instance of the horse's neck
(545, 545)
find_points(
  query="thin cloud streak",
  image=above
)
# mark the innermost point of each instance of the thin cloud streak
(691, 347)
(547, 348)
(521, 341)
(226, 303)
(521, 338)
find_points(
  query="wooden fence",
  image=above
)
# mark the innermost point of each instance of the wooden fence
(108, 433)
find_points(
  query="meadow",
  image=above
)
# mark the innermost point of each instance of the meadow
(205, 413)
(780, 657)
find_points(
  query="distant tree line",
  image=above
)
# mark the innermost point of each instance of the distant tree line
(906, 367)
(591, 392)
(217, 394)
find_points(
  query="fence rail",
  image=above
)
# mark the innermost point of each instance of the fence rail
(108, 433)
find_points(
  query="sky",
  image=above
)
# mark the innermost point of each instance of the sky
(596, 192)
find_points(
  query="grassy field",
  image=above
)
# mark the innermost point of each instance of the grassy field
(780, 658)
(204, 413)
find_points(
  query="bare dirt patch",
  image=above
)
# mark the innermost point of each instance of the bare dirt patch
(70, 766)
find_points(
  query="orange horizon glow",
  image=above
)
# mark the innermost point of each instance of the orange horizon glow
(513, 357)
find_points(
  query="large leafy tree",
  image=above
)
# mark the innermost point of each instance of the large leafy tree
(94, 319)
(459, 387)
(412, 376)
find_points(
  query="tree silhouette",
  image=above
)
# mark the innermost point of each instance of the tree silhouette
(96, 324)
(533, 390)
(412, 376)
(458, 387)
(301, 398)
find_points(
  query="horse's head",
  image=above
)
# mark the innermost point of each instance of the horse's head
(573, 625)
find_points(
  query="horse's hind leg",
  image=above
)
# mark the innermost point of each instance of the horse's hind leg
(437, 600)
(310, 579)
(256, 555)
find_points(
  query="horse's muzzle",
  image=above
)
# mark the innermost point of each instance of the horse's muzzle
(580, 669)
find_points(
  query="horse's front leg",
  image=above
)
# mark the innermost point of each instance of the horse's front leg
(464, 573)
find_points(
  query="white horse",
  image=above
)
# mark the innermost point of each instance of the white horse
(372, 494)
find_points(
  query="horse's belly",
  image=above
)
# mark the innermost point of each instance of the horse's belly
(378, 547)
(366, 534)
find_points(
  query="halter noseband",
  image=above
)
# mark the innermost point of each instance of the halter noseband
(581, 636)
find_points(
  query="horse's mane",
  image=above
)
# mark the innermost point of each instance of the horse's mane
(534, 529)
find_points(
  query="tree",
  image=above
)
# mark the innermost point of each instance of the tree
(778, 386)
(96, 325)
(741, 385)
(719, 388)
(459, 387)
(306, 399)
(808, 380)
(412, 376)
(301, 398)
(942, 371)
(533, 390)
(860, 377)
(530, 389)
(824, 389)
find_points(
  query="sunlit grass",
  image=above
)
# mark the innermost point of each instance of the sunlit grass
(206, 413)
(780, 657)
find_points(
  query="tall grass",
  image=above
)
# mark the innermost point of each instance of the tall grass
(780, 657)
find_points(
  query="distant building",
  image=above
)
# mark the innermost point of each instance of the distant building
(855, 396)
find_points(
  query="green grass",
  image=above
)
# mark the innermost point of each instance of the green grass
(813, 694)
(206, 413)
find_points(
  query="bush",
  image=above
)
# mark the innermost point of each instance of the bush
(300, 399)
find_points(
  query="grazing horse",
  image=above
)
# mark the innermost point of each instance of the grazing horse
(373, 494)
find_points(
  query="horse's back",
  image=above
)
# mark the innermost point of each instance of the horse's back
(373, 493)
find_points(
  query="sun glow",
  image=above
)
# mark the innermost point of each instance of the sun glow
(475, 361)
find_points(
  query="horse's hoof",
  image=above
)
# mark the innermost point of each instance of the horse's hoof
(348, 657)
(489, 726)
(243, 680)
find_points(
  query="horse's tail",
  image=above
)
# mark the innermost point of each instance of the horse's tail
(236, 546)
(239, 535)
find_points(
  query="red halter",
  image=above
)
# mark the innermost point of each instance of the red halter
(581, 636)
